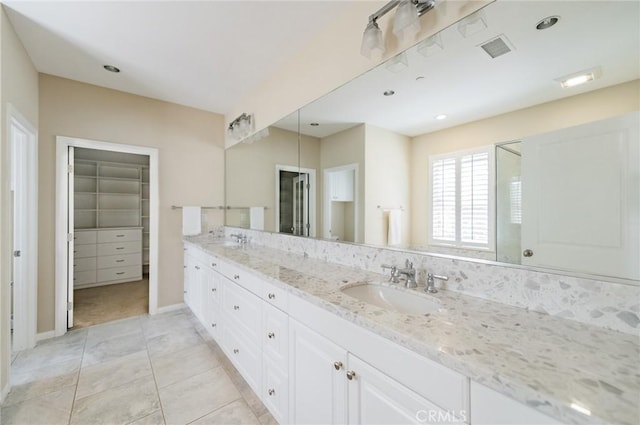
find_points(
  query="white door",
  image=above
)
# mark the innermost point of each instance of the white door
(18, 140)
(581, 198)
(301, 205)
(70, 243)
(317, 380)
(375, 398)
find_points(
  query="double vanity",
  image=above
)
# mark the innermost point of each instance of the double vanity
(325, 343)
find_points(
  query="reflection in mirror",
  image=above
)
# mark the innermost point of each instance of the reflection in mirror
(425, 142)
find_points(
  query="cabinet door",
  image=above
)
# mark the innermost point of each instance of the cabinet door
(189, 276)
(375, 398)
(342, 183)
(317, 382)
(214, 305)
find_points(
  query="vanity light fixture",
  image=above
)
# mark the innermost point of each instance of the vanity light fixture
(111, 68)
(579, 78)
(440, 117)
(389, 93)
(430, 46)
(472, 24)
(405, 25)
(397, 63)
(547, 22)
(240, 127)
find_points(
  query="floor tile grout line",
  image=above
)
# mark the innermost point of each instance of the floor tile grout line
(219, 408)
(153, 373)
(75, 392)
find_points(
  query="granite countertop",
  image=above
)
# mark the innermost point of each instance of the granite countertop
(560, 367)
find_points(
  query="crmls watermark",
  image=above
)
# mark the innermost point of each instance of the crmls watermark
(437, 416)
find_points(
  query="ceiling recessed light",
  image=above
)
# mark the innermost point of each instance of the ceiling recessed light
(389, 93)
(440, 117)
(547, 22)
(111, 68)
(578, 78)
(314, 124)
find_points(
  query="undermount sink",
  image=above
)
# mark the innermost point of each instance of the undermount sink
(396, 299)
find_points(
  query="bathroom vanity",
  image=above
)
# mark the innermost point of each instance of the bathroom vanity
(316, 355)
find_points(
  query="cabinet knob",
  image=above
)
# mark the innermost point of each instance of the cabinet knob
(214, 265)
(120, 273)
(271, 296)
(337, 365)
(119, 236)
(271, 391)
(271, 335)
(214, 289)
(527, 253)
(119, 247)
(213, 325)
(351, 375)
(236, 277)
(236, 307)
(236, 351)
(197, 267)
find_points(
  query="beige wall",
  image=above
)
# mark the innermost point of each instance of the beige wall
(571, 111)
(333, 58)
(19, 86)
(191, 167)
(344, 148)
(387, 182)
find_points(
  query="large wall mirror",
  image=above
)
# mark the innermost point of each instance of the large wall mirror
(478, 142)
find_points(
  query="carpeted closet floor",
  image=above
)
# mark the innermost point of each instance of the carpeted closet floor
(101, 304)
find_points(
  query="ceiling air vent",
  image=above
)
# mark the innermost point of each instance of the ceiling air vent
(497, 46)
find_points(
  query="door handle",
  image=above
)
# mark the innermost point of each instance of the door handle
(527, 253)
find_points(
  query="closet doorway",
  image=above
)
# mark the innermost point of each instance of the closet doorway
(106, 232)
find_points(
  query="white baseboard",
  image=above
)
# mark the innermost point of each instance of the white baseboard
(168, 308)
(45, 335)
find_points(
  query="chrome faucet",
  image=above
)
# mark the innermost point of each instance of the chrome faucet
(395, 276)
(410, 273)
(240, 238)
(431, 286)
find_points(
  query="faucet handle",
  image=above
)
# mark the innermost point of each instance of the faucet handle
(408, 264)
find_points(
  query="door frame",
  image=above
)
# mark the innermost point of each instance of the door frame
(62, 148)
(25, 296)
(312, 195)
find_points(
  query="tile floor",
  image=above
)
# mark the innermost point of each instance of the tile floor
(161, 369)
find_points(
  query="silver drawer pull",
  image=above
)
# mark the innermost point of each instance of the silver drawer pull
(197, 267)
(236, 277)
(337, 365)
(236, 307)
(120, 247)
(351, 375)
(119, 236)
(272, 296)
(271, 335)
(214, 289)
(213, 325)
(236, 351)
(271, 391)
(214, 265)
(119, 261)
(75, 252)
(119, 273)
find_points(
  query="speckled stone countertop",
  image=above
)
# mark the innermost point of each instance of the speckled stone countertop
(557, 366)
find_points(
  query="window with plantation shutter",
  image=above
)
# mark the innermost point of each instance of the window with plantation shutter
(462, 199)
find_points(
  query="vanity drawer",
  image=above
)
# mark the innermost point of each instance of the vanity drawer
(119, 248)
(243, 309)
(243, 278)
(84, 237)
(275, 296)
(84, 264)
(275, 333)
(82, 251)
(110, 261)
(83, 278)
(131, 273)
(119, 235)
(245, 356)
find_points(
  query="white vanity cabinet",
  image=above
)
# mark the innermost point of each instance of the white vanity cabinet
(489, 407)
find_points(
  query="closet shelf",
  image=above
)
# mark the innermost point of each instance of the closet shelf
(129, 179)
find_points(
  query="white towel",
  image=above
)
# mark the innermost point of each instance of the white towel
(394, 234)
(256, 218)
(191, 220)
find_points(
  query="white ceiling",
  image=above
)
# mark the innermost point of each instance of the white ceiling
(203, 54)
(463, 82)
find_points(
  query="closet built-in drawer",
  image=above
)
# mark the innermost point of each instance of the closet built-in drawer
(131, 273)
(81, 251)
(83, 278)
(84, 237)
(119, 235)
(84, 264)
(119, 248)
(109, 261)
(242, 309)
